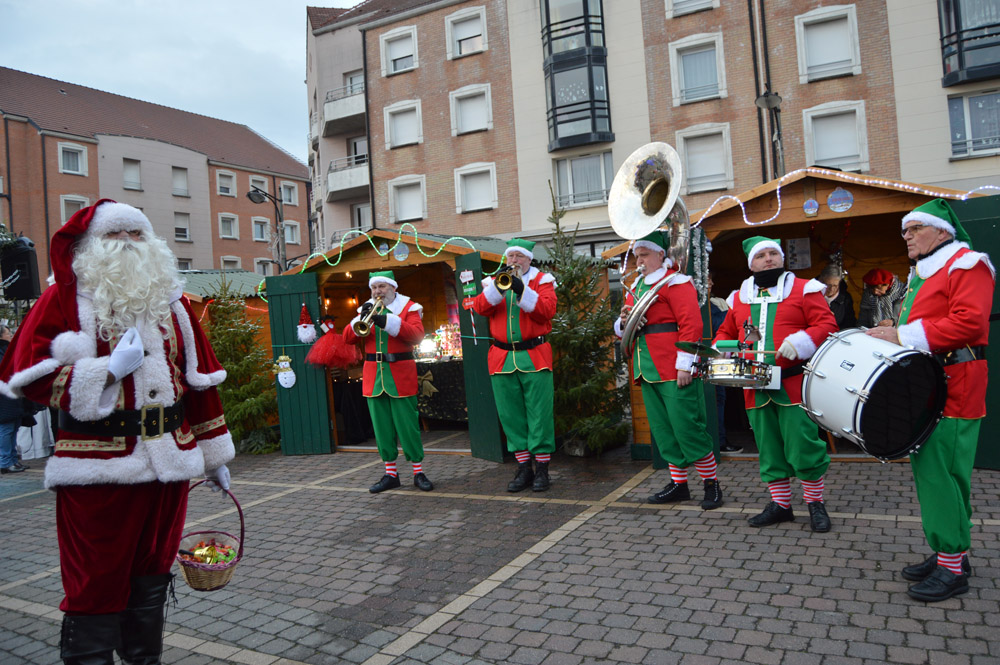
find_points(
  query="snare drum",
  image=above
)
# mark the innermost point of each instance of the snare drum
(737, 372)
(884, 397)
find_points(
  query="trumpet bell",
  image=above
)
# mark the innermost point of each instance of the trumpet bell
(645, 190)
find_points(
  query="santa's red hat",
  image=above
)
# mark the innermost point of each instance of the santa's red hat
(306, 330)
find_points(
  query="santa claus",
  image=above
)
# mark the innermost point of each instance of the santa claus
(114, 346)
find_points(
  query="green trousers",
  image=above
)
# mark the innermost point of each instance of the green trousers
(788, 442)
(394, 417)
(677, 421)
(942, 472)
(524, 404)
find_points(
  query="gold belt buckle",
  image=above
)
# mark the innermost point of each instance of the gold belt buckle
(156, 423)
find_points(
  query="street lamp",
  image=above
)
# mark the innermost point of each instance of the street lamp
(771, 102)
(258, 195)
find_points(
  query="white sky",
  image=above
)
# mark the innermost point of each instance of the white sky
(237, 60)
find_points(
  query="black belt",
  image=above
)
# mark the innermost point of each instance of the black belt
(789, 372)
(962, 355)
(520, 346)
(650, 328)
(380, 357)
(149, 422)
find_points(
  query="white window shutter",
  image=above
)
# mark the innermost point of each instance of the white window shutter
(470, 27)
(472, 114)
(706, 160)
(835, 139)
(409, 202)
(828, 45)
(477, 191)
(400, 48)
(404, 127)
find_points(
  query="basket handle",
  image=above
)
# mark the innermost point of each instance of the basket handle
(239, 509)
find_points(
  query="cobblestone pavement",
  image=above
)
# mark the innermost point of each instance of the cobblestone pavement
(584, 573)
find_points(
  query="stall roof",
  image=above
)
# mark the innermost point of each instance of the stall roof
(782, 199)
(201, 284)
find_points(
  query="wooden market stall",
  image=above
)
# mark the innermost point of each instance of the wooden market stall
(200, 286)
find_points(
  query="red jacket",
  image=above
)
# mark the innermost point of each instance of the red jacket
(535, 310)
(404, 329)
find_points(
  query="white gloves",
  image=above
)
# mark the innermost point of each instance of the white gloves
(787, 350)
(218, 478)
(127, 356)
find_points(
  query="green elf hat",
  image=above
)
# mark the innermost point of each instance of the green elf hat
(654, 241)
(938, 213)
(756, 244)
(520, 245)
(382, 277)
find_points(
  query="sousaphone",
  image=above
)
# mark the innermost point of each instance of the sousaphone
(645, 195)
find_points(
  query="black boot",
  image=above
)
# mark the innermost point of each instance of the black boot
(713, 495)
(142, 620)
(671, 493)
(772, 514)
(523, 478)
(541, 477)
(919, 572)
(90, 639)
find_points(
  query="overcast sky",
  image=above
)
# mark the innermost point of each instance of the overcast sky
(237, 60)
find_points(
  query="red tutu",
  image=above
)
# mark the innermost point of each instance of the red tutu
(332, 351)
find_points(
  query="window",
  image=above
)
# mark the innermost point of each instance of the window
(230, 262)
(827, 41)
(471, 109)
(465, 32)
(357, 150)
(131, 178)
(292, 236)
(476, 187)
(361, 216)
(970, 40)
(179, 178)
(72, 159)
(706, 154)
(407, 201)
(229, 226)
(975, 124)
(399, 50)
(584, 180)
(184, 264)
(70, 204)
(403, 124)
(182, 226)
(263, 267)
(354, 82)
(697, 68)
(681, 7)
(261, 228)
(571, 24)
(836, 135)
(226, 183)
(289, 193)
(258, 182)
(577, 99)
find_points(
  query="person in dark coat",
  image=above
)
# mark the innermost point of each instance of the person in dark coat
(11, 413)
(840, 301)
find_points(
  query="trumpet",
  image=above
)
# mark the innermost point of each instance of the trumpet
(363, 327)
(505, 279)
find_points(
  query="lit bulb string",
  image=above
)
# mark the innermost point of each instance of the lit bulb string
(399, 239)
(204, 310)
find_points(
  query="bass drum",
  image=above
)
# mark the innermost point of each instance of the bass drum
(884, 397)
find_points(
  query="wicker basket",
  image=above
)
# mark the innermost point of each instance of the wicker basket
(211, 576)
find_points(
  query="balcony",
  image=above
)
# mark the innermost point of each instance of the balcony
(344, 110)
(347, 178)
(970, 42)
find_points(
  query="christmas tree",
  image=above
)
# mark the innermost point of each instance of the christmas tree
(589, 402)
(248, 393)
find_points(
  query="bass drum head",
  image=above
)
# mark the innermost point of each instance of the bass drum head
(903, 407)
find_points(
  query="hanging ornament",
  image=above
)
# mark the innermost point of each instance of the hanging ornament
(306, 331)
(285, 373)
(331, 350)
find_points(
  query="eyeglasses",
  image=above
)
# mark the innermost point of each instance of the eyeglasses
(913, 230)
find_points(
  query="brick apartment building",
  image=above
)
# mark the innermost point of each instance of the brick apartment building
(468, 110)
(64, 146)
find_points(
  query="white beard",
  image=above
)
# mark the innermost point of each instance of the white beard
(130, 283)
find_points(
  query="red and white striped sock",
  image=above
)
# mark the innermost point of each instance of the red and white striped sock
(781, 492)
(952, 562)
(522, 456)
(543, 458)
(417, 468)
(390, 469)
(678, 475)
(812, 490)
(707, 467)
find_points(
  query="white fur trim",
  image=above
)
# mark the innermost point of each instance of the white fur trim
(393, 324)
(492, 293)
(129, 470)
(519, 250)
(547, 278)
(114, 217)
(195, 379)
(731, 299)
(529, 299)
(679, 279)
(927, 266)
(913, 334)
(969, 260)
(306, 333)
(217, 451)
(655, 276)
(85, 388)
(814, 286)
(170, 463)
(382, 280)
(928, 219)
(26, 376)
(69, 347)
(803, 343)
(762, 245)
(684, 361)
(651, 246)
(398, 303)
(748, 289)
(618, 327)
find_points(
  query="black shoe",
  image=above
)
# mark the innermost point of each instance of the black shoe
(523, 478)
(731, 449)
(713, 495)
(671, 493)
(421, 482)
(772, 514)
(13, 468)
(818, 519)
(941, 584)
(920, 571)
(386, 483)
(541, 477)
